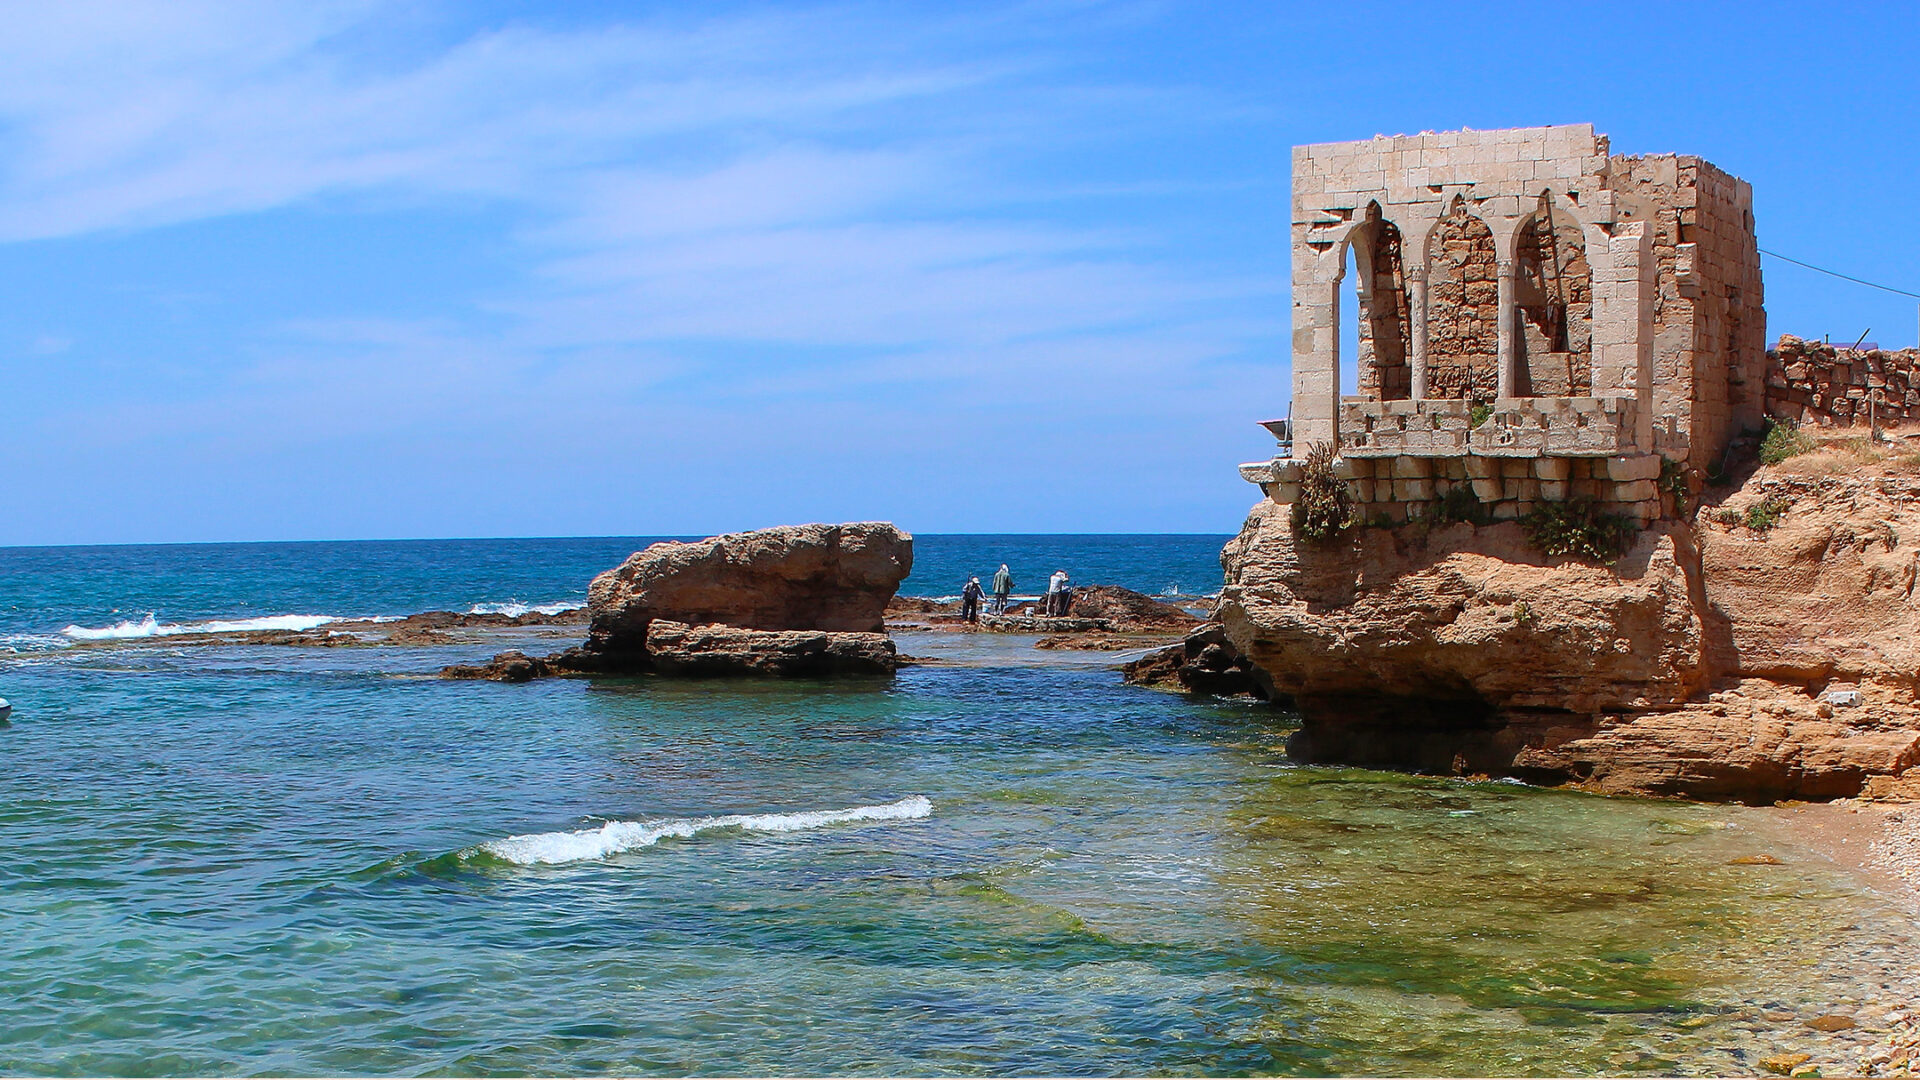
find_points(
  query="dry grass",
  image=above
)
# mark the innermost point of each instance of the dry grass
(1852, 452)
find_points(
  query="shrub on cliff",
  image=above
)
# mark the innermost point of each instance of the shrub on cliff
(1323, 510)
(1783, 440)
(1577, 528)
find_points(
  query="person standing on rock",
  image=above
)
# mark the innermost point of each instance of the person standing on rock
(1057, 593)
(1002, 589)
(970, 600)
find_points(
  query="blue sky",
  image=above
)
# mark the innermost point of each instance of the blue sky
(329, 270)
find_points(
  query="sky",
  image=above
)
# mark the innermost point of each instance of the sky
(331, 270)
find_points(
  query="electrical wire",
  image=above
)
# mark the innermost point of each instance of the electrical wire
(1838, 274)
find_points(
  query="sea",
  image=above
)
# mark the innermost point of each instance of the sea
(249, 859)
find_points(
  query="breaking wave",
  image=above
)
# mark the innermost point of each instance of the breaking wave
(31, 643)
(150, 627)
(513, 609)
(615, 837)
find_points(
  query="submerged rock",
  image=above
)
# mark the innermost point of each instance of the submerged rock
(510, 666)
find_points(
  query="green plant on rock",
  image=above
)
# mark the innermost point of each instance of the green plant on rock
(1323, 510)
(1765, 514)
(1673, 481)
(1522, 613)
(1460, 504)
(1479, 414)
(1783, 440)
(1728, 516)
(1579, 528)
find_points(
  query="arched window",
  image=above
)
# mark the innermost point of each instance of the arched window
(1377, 336)
(1553, 290)
(1463, 309)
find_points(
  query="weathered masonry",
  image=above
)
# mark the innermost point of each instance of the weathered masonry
(1536, 317)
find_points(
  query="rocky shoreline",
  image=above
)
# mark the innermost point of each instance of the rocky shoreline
(1763, 646)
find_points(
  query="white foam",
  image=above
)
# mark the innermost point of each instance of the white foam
(616, 837)
(151, 627)
(30, 643)
(513, 609)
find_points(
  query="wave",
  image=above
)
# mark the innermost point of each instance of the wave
(151, 627)
(513, 609)
(616, 837)
(31, 643)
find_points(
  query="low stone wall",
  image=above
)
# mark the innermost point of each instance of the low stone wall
(1396, 489)
(1821, 385)
(1513, 427)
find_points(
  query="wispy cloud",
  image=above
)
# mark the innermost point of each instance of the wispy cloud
(717, 216)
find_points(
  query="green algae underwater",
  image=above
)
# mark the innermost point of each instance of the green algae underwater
(257, 860)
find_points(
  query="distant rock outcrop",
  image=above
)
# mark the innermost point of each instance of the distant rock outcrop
(793, 600)
(1125, 609)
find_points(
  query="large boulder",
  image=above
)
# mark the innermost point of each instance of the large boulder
(827, 579)
(795, 577)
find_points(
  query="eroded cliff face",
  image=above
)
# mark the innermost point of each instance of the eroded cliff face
(1695, 665)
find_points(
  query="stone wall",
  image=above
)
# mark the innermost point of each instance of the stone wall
(1817, 384)
(1511, 427)
(1463, 332)
(1397, 489)
(1709, 325)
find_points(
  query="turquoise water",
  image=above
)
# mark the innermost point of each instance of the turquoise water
(251, 859)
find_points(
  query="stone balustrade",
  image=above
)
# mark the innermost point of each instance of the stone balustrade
(1516, 427)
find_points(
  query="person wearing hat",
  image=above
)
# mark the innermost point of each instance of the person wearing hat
(1002, 589)
(970, 600)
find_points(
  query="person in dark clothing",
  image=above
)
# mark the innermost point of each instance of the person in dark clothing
(970, 600)
(1002, 589)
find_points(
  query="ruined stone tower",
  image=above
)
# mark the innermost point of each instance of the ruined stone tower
(1536, 317)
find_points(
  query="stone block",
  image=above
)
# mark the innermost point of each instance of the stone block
(1282, 493)
(1412, 490)
(1525, 488)
(1636, 491)
(1346, 468)
(1487, 489)
(1480, 468)
(1412, 468)
(1552, 468)
(1506, 510)
(1515, 468)
(1553, 490)
(1634, 467)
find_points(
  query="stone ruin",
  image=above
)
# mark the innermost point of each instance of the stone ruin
(1537, 318)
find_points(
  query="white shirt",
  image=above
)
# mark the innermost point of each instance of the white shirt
(1058, 581)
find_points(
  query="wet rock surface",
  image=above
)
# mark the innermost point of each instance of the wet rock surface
(1206, 662)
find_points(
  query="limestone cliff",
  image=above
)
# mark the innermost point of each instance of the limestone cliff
(1700, 663)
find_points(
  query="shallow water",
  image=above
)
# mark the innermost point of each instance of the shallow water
(316, 861)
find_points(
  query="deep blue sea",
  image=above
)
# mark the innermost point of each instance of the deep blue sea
(253, 859)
